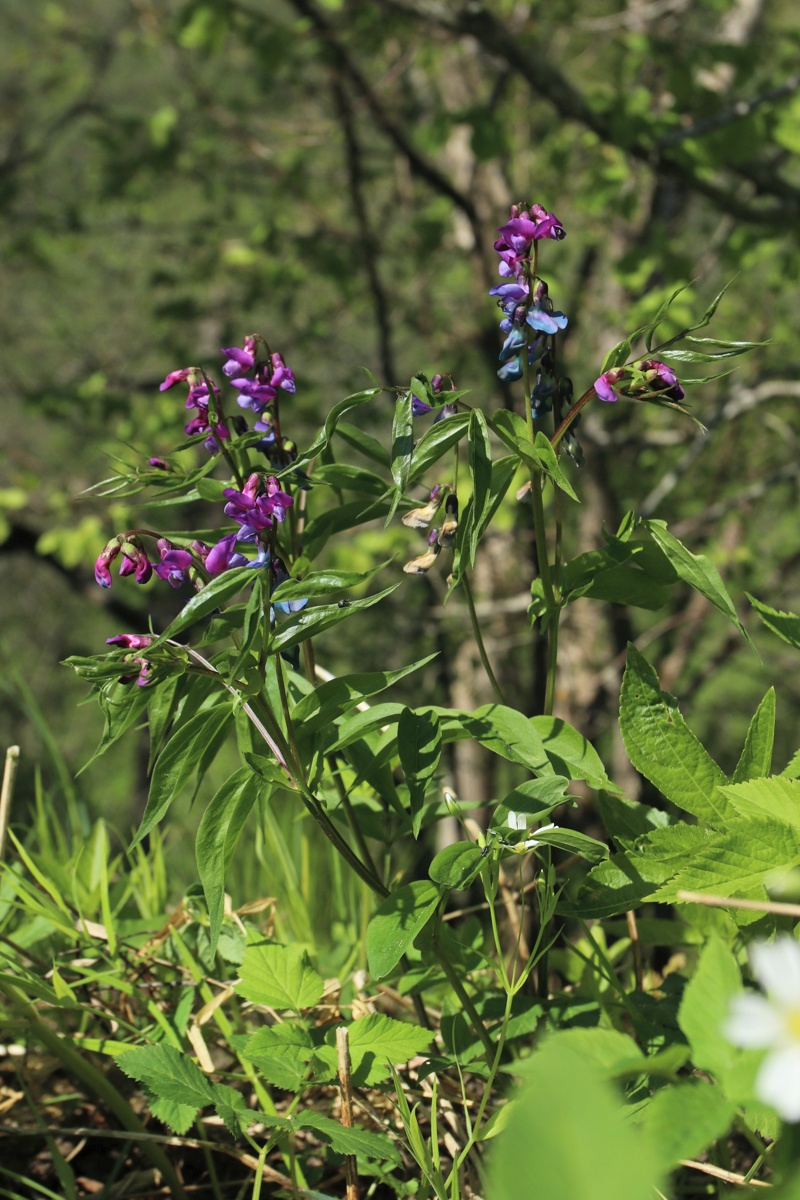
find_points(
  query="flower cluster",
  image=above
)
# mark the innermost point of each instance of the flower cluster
(257, 382)
(438, 539)
(530, 321)
(646, 380)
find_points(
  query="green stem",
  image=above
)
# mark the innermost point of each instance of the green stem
(552, 662)
(363, 848)
(476, 629)
(76, 1065)
(571, 415)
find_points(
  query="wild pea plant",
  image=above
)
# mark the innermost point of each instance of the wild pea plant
(627, 1071)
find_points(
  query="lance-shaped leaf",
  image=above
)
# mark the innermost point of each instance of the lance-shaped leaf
(435, 442)
(332, 420)
(755, 761)
(207, 600)
(311, 621)
(179, 760)
(785, 625)
(217, 836)
(331, 700)
(419, 744)
(402, 447)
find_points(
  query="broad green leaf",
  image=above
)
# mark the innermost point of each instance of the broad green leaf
(282, 1054)
(755, 761)
(311, 621)
(534, 798)
(177, 1117)
(233, 1109)
(739, 861)
(168, 1073)
(419, 744)
(776, 797)
(279, 976)
(332, 699)
(376, 1042)
(349, 1141)
(179, 760)
(571, 753)
(626, 820)
(660, 744)
(705, 1006)
(397, 922)
(684, 1119)
(506, 732)
(217, 836)
(435, 442)
(698, 571)
(607, 1049)
(785, 624)
(569, 1137)
(457, 865)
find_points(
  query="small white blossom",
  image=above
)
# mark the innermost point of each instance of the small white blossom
(772, 1022)
(532, 841)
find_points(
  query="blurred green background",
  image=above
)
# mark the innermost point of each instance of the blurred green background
(175, 175)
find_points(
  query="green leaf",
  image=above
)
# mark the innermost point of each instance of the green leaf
(698, 571)
(177, 1117)
(419, 744)
(350, 478)
(232, 1108)
(785, 624)
(402, 447)
(397, 922)
(349, 1141)
(178, 761)
(366, 445)
(332, 699)
(548, 461)
(435, 442)
(457, 865)
(332, 420)
(705, 1006)
(282, 1054)
(323, 583)
(777, 797)
(507, 732)
(617, 356)
(311, 621)
(168, 1073)
(659, 317)
(660, 744)
(569, 1137)
(217, 836)
(207, 601)
(534, 798)
(755, 761)
(570, 753)
(377, 1042)
(739, 861)
(684, 1119)
(480, 469)
(573, 842)
(280, 977)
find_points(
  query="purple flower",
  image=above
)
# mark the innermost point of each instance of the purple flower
(174, 563)
(282, 376)
(222, 556)
(661, 378)
(254, 395)
(238, 362)
(193, 374)
(131, 641)
(604, 386)
(101, 567)
(256, 513)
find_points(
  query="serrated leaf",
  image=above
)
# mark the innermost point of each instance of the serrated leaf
(698, 571)
(785, 624)
(177, 1117)
(179, 760)
(739, 861)
(282, 1053)
(755, 761)
(397, 922)
(232, 1108)
(349, 1141)
(419, 744)
(660, 744)
(777, 797)
(217, 836)
(167, 1073)
(376, 1043)
(279, 976)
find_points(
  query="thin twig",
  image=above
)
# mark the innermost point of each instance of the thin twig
(343, 1061)
(765, 906)
(636, 947)
(720, 1173)
(6, 795)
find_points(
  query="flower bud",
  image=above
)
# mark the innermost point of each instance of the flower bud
(447, 536)
(424, 562)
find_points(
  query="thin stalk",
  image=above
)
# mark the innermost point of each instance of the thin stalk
(476, 629)
(363, 848)
(491, 895)
(287, 718)
(552, 662)
(571, 415)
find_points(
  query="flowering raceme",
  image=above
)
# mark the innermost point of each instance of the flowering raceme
(646, 380)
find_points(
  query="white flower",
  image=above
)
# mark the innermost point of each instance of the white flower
(772, 1022)
(531, 842)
